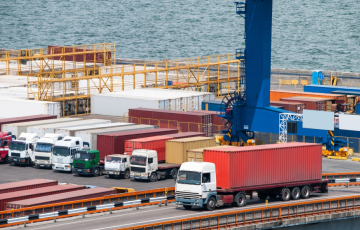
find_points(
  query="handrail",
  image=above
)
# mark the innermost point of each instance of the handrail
(340, 175)
(86, 202)
(258, 215)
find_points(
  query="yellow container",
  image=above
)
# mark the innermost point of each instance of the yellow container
(176, 150)
(197, 154)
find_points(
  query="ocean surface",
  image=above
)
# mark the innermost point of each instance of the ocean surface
(307, 34)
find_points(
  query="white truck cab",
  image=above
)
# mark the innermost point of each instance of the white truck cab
(116, 165)
(196, 182)
(21, 151)
(44, 149)
(64, 151)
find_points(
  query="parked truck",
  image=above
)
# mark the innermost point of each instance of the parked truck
(5, 138)
(144, 165)
(228, 176)
(44, 149)
(87, 162)
(21, 151)
(63, 153)
(117, 165)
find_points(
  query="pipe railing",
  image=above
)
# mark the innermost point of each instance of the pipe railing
(340, 175)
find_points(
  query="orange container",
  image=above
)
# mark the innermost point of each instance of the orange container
(276, 95)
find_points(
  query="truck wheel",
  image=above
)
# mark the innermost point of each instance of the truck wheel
(127, 174)
(210, 204)
(239, 200)
(174, 173)
(153, 177)
(305, 192)
(262, 196)
(285, 194)
(6, 160)
(187, 207)
(111, 176)
(295, 193)
(96, 172)
(101, 172)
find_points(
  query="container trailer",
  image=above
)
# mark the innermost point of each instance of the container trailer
(26, 184)
(227, 176)
(21, 151)
(6, 121)
(5, 139)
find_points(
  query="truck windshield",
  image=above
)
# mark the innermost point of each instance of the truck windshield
(137, 160)
(186, 177)
(43, 147)
(113, 159)
(81, 156)
(61, 151)
(17, 146)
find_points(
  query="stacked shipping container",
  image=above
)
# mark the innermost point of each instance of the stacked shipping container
(296, 107)
(312, 103)
(27, 184)
(276, 95)
(185, 135)
(24, 119)
(217, 123)
(197, 154)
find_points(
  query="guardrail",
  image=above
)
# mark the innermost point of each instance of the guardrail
(87, 202)
(258, 215)
(340, 175)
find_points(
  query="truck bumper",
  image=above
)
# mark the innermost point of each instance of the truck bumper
(189, 202)
(62, 167)
(49, 166)
(20, 161)
(115, 173)
(83, 171)
(139, 176)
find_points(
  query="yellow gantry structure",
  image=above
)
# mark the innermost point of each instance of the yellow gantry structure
(71, 74)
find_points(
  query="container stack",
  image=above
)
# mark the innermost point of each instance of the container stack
(16, 119)
(276, 95)
(312, 103)
(296, 107)
(197, 154)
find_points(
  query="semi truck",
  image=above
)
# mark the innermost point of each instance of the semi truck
(144, 166)
(63, 153)
(44, 148)
(228, 176)
(5, 138)
(21, 151)
(117, 165)
(87, 162)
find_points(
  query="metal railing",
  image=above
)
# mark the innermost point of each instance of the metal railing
(258, 215)
(341, 175)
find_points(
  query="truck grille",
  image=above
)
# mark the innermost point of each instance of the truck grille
(137, 169)
(187, 195)
(42, 158)
(80, 165)
(15, 154)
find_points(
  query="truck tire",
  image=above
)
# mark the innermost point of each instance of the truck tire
(295, 193)
(285, 194)
(305, 192)
(239, 200)
(211, 204)
(174, 173)
(101, 172)
(127, 174)
(187, 207)
(153, 177)
(262, 195)
(96, 171)
(6, 160)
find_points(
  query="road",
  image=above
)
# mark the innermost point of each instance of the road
(152, 214)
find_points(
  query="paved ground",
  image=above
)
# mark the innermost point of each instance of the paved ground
(151, 214)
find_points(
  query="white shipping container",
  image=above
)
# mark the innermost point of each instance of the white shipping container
(70, 131)
(90, 136)
(50, 128)
(14, 107)
(21, 127)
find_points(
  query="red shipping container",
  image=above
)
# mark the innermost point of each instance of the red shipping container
(37, 192)
(185, 135)
(25, 119)
(276, 95)
(296, 107)
(156, 143)
(264, 165)
(184, 121)
(114, 143)
(311, 103)
(79, 57)
(63, 197)
(26, 184)
(217, 123)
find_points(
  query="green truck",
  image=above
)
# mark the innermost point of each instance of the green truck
(87, 162)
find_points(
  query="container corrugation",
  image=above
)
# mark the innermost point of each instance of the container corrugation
(157, 143)
(114, 143)
(185, 135)
(37, 192)
(70, 131)
(197, 154)
(296, 107)
(90, 136)
(217, 123)
(24, 119)
(327, 88)
(311, 103)
(26, 184)
(62, 197)
(184, 121)
(276, 95)
(176, 149)
(263, 165)
(211, 105)
(346, 133)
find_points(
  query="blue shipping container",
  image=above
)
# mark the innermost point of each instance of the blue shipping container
(327, 88)
(212, 105)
